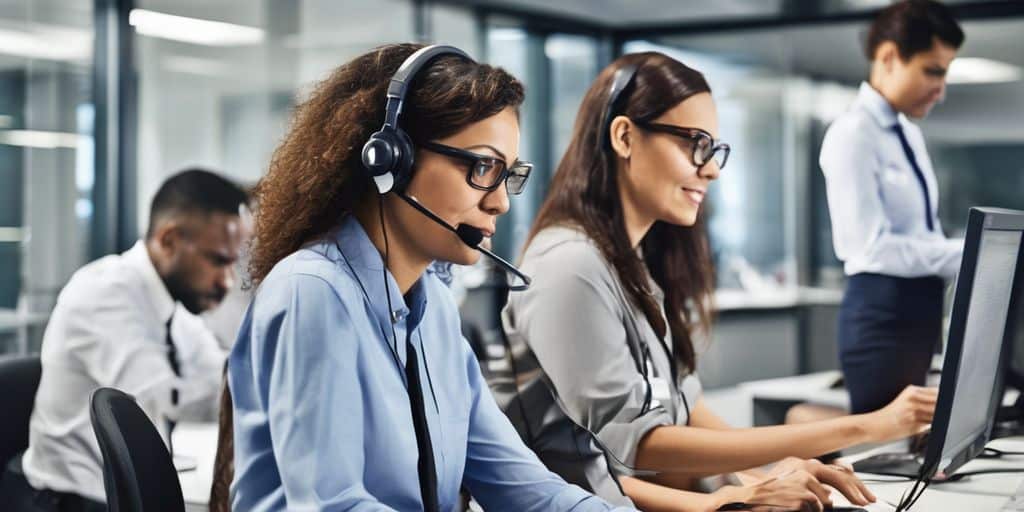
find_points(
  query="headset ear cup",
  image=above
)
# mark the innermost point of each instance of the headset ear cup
(379, 159)
(405, 159)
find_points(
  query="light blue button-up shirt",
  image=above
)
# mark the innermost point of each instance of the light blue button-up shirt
(321, 414)
(875, 199)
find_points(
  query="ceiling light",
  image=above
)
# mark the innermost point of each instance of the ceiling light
(975, 70)
(50, 42)
(506, 34)
(41, 139)
(192, 30)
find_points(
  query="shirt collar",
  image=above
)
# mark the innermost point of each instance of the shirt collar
(138, 258)
(367, 264)
(879, 107)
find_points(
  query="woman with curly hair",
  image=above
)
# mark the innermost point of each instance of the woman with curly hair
(352, 386)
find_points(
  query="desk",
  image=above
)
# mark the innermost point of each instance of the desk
(18, 322)
(199, 441)
(979, 493)
(773, 397)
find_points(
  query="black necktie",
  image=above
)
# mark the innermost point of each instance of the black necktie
(425, 465)
(920, 176)
(172, 356)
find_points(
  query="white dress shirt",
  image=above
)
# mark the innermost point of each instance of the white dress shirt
(875, 199)
(109, 329)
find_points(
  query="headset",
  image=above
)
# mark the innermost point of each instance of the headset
(622, 80)
(388, 156)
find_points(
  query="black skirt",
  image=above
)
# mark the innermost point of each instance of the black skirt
(889, 327)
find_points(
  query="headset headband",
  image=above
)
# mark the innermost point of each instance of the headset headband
(399, 85)
(622, 80)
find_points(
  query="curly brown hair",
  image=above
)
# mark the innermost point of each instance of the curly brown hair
(314, 174)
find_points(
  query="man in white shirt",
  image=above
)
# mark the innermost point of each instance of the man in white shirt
(129, 322)
(883, 201)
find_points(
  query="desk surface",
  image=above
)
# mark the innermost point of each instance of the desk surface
(975, 494)
(199, 441)
(814, 388)
(12, 319)
(779, 298)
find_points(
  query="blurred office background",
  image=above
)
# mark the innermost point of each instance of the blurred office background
(100, 100)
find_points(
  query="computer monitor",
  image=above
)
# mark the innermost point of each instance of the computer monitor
(989, 287)
(981, 329)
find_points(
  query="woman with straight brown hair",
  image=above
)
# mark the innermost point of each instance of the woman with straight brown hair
(602, 344)
(350, 385)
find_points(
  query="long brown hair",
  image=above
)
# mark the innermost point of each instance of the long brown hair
(584, 194)
(314, 176)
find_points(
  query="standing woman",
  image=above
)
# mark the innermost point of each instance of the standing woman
(883, 199)
(352, 385)
(602, 342)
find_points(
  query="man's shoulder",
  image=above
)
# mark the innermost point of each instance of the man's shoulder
(104, 282)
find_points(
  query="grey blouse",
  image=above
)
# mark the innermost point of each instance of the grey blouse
(576, 342)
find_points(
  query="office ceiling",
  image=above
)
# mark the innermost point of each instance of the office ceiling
(618, 14)
(828, 51)
(971, 112)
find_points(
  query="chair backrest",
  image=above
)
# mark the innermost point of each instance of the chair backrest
(19, 380)
(138, 472)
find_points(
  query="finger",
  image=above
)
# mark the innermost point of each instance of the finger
(804, 501)
(870, 496)
(844, 483)
(823, 494)
(925, 398)
(926, 415)
(864, 492)
(930, 395)
(812, 502)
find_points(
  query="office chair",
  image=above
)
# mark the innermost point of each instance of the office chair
(19, 379)
(138, 473)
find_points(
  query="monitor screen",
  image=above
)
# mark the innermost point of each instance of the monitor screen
(971, 388)
(987, 313)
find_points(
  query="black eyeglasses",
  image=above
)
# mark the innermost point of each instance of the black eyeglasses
(486, 172)
(705, 147)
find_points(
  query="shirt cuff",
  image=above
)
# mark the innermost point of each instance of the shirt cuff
(954, 247)
(623, 438)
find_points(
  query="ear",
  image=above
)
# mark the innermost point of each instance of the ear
(887, 54)
(168, 236)
(620, 133)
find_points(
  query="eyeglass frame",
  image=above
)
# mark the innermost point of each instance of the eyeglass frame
(691, 134)
(475, 158)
